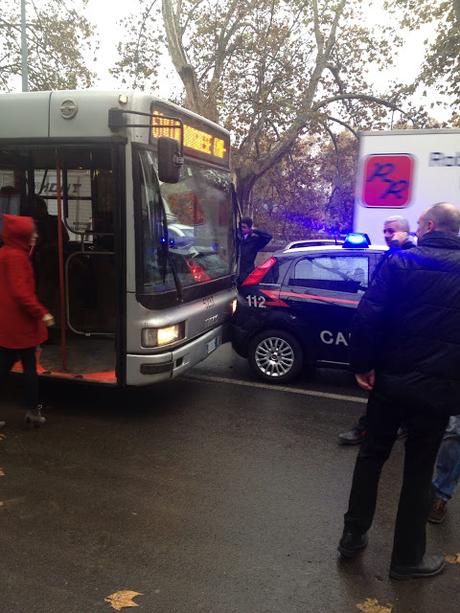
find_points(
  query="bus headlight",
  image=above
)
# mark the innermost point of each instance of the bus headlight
(159, 337)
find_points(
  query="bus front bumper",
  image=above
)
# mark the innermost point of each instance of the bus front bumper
(148, 369)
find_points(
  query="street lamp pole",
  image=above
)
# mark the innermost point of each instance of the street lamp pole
(25, 70)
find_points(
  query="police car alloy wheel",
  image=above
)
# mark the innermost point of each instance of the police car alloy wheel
(276, 356)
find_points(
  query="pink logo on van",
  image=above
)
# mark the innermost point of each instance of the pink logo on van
(387, 180)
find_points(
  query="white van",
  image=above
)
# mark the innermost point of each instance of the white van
(403, 172)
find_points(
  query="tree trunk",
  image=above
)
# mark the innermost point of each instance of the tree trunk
(245, 182)
(194, 98)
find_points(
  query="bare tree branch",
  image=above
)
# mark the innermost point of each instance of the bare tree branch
(138, 43)
(322, 58)
(307, 110)
(333, 31)
(222, 49)
(194, 96)
(190, 14)
(337, 161)
(344, 124)
(318, 34)
(366, 97)
(336, 75)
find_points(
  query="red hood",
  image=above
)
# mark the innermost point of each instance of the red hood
(17, 231)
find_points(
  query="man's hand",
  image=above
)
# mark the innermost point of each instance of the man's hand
(366, 380)
(401, 237)
(48, 320)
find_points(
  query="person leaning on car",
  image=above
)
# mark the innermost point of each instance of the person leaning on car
(405, 350)
(396, 233)
(250, 242)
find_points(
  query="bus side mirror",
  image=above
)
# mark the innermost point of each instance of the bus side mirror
(116, 119)
(170, 160)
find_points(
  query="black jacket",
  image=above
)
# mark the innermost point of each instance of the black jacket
(407, 326)
(394, 246)
(248, 248)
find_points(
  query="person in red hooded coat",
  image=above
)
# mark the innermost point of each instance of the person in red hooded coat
(23, 319)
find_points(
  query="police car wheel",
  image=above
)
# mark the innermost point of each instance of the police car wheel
(275, 356)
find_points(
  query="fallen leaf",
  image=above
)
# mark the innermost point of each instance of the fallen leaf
(454, 559)
(372, 605)
(122, 600)
(9, 502)
(2, 472)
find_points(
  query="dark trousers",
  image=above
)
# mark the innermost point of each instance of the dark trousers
(29, 365)
(425, 433)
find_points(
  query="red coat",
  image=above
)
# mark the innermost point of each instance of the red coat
(21, 313)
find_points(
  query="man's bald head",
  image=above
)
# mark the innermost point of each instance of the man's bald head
(442, 217)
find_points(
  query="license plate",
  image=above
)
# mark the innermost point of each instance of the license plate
(212, 345)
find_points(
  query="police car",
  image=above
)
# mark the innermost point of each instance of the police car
(295, 310)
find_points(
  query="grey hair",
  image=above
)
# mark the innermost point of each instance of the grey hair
(445, 217)
(401, 221)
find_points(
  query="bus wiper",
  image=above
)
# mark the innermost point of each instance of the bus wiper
(167, 253)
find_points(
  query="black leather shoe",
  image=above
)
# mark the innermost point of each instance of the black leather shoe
(428, 567)
(352, 543)
(355, 436)
(438, 511)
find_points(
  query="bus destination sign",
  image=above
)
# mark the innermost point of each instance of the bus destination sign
(200, 142)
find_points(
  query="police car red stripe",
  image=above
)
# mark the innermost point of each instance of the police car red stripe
(275, 298)
(321, 298)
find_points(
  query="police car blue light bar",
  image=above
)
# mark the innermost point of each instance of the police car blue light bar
(356, 239)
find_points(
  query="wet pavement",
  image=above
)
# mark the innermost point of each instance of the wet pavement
(203, 496)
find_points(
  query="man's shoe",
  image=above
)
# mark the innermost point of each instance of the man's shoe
(438, 511)
(35, 417)
(428, 567)
(355, 436)
(352, 543)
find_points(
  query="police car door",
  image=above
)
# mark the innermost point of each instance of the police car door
(323, 291)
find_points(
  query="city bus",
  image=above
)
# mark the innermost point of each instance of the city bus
(135, 211)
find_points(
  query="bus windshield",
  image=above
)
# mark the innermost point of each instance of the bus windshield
(194, 217)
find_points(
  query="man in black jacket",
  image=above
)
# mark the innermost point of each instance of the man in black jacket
(405, 350)
(250, 243)
(396, 234)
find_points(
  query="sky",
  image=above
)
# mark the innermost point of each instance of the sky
(106, 14)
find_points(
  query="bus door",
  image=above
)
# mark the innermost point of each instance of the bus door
(70, 193)
(90, 256)
(90, 268)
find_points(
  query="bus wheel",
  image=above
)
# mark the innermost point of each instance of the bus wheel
(276, 356)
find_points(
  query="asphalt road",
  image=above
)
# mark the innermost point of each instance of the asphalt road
(207, 494)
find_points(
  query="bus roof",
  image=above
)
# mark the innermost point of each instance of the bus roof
(80, 114)
(409, 131)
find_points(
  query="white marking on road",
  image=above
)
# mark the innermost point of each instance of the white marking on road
(277, 388)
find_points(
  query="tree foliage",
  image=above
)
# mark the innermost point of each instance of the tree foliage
(310, 192)
(59, 39)
(441, 66)
(271, 71)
